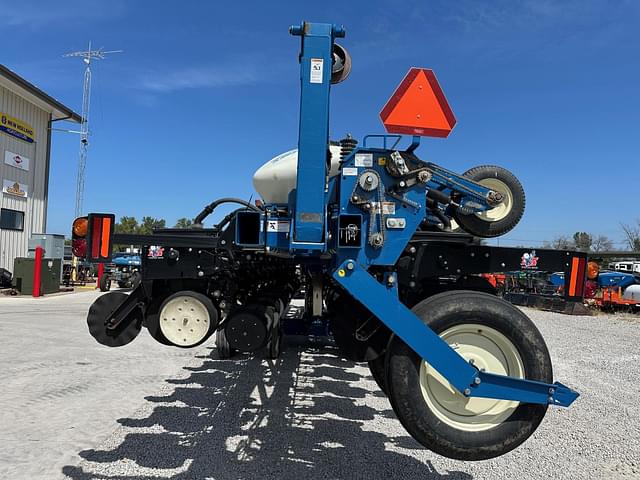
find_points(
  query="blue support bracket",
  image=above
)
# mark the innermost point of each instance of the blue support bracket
(382, 301)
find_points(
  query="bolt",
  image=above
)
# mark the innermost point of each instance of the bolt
(486, 255)
(369, 179)
(350, 266)
(551, 391)
(190, 249)
(223, 242)
(355, 198)
(412, 284)
(402, 184)
(201, 273)
(467, 392)
(412, 249)
(477, 381)
(502, 264)
(391, 280)
(473, 254)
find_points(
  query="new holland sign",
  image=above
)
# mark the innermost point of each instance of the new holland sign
(16, 128)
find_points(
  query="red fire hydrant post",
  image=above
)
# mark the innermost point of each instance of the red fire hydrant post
(100, 274)
(37, 272)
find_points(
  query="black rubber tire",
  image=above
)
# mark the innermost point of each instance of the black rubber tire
(105, 283)
(222, 345)
(377, 367)
(135, 279)
(152, 320)
(479, 227)
(441, 312)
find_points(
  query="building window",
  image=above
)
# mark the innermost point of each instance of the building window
(11, 219)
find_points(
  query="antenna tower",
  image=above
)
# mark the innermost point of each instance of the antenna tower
(87, 56)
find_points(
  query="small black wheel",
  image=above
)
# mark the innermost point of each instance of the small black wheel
(222, 345)
(377, 367)
(493, 335)
(105, 283)
(504, 216)
(135, 279)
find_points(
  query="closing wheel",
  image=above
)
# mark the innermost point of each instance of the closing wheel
(101, 310)
(222, 345)
(186, 319)
(504, 216)
(495, 337)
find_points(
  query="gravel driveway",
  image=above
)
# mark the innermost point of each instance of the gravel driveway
(147, 411)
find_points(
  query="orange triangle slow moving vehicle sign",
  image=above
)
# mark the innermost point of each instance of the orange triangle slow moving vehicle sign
(418, 107)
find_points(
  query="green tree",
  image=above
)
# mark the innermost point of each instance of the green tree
(149, 224)
(183, 222)
(127, 225)
(582, 241)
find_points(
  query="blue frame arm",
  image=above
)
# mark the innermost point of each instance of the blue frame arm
(383, 302)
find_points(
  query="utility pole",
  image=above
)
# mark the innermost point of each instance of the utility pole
(87, 56)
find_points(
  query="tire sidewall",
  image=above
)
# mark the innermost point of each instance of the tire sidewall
(440, 313)
(482, 228)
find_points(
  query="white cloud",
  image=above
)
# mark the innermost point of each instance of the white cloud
(199, 77)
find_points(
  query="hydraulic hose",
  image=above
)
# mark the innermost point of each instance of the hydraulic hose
(206, 211)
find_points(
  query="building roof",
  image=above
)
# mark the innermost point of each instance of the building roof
(33, 94)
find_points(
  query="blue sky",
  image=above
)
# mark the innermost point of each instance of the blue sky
(207, 91)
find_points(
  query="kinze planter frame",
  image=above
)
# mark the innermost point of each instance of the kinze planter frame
(370, 236)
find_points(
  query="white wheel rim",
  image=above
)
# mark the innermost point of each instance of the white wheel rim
(501, 210)
(489, 350)
(184, 321)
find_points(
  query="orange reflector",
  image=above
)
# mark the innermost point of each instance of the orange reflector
(106, 234)
(80, 226)
(593, 269)
(574, 276)
(418, 107)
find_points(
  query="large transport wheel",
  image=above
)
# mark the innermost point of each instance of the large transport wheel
(185, 319)
(496, 337)
(377, 367)
(504, 216)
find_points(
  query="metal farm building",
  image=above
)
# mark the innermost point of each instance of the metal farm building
(26, 117)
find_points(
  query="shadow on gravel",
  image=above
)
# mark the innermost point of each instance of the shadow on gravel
(293, 418)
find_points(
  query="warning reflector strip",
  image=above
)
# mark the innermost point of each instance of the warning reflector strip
(100, 236)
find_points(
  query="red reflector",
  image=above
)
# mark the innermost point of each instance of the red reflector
(96, 235)
(79, 248)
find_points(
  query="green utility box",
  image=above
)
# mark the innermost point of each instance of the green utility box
(49, 277)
